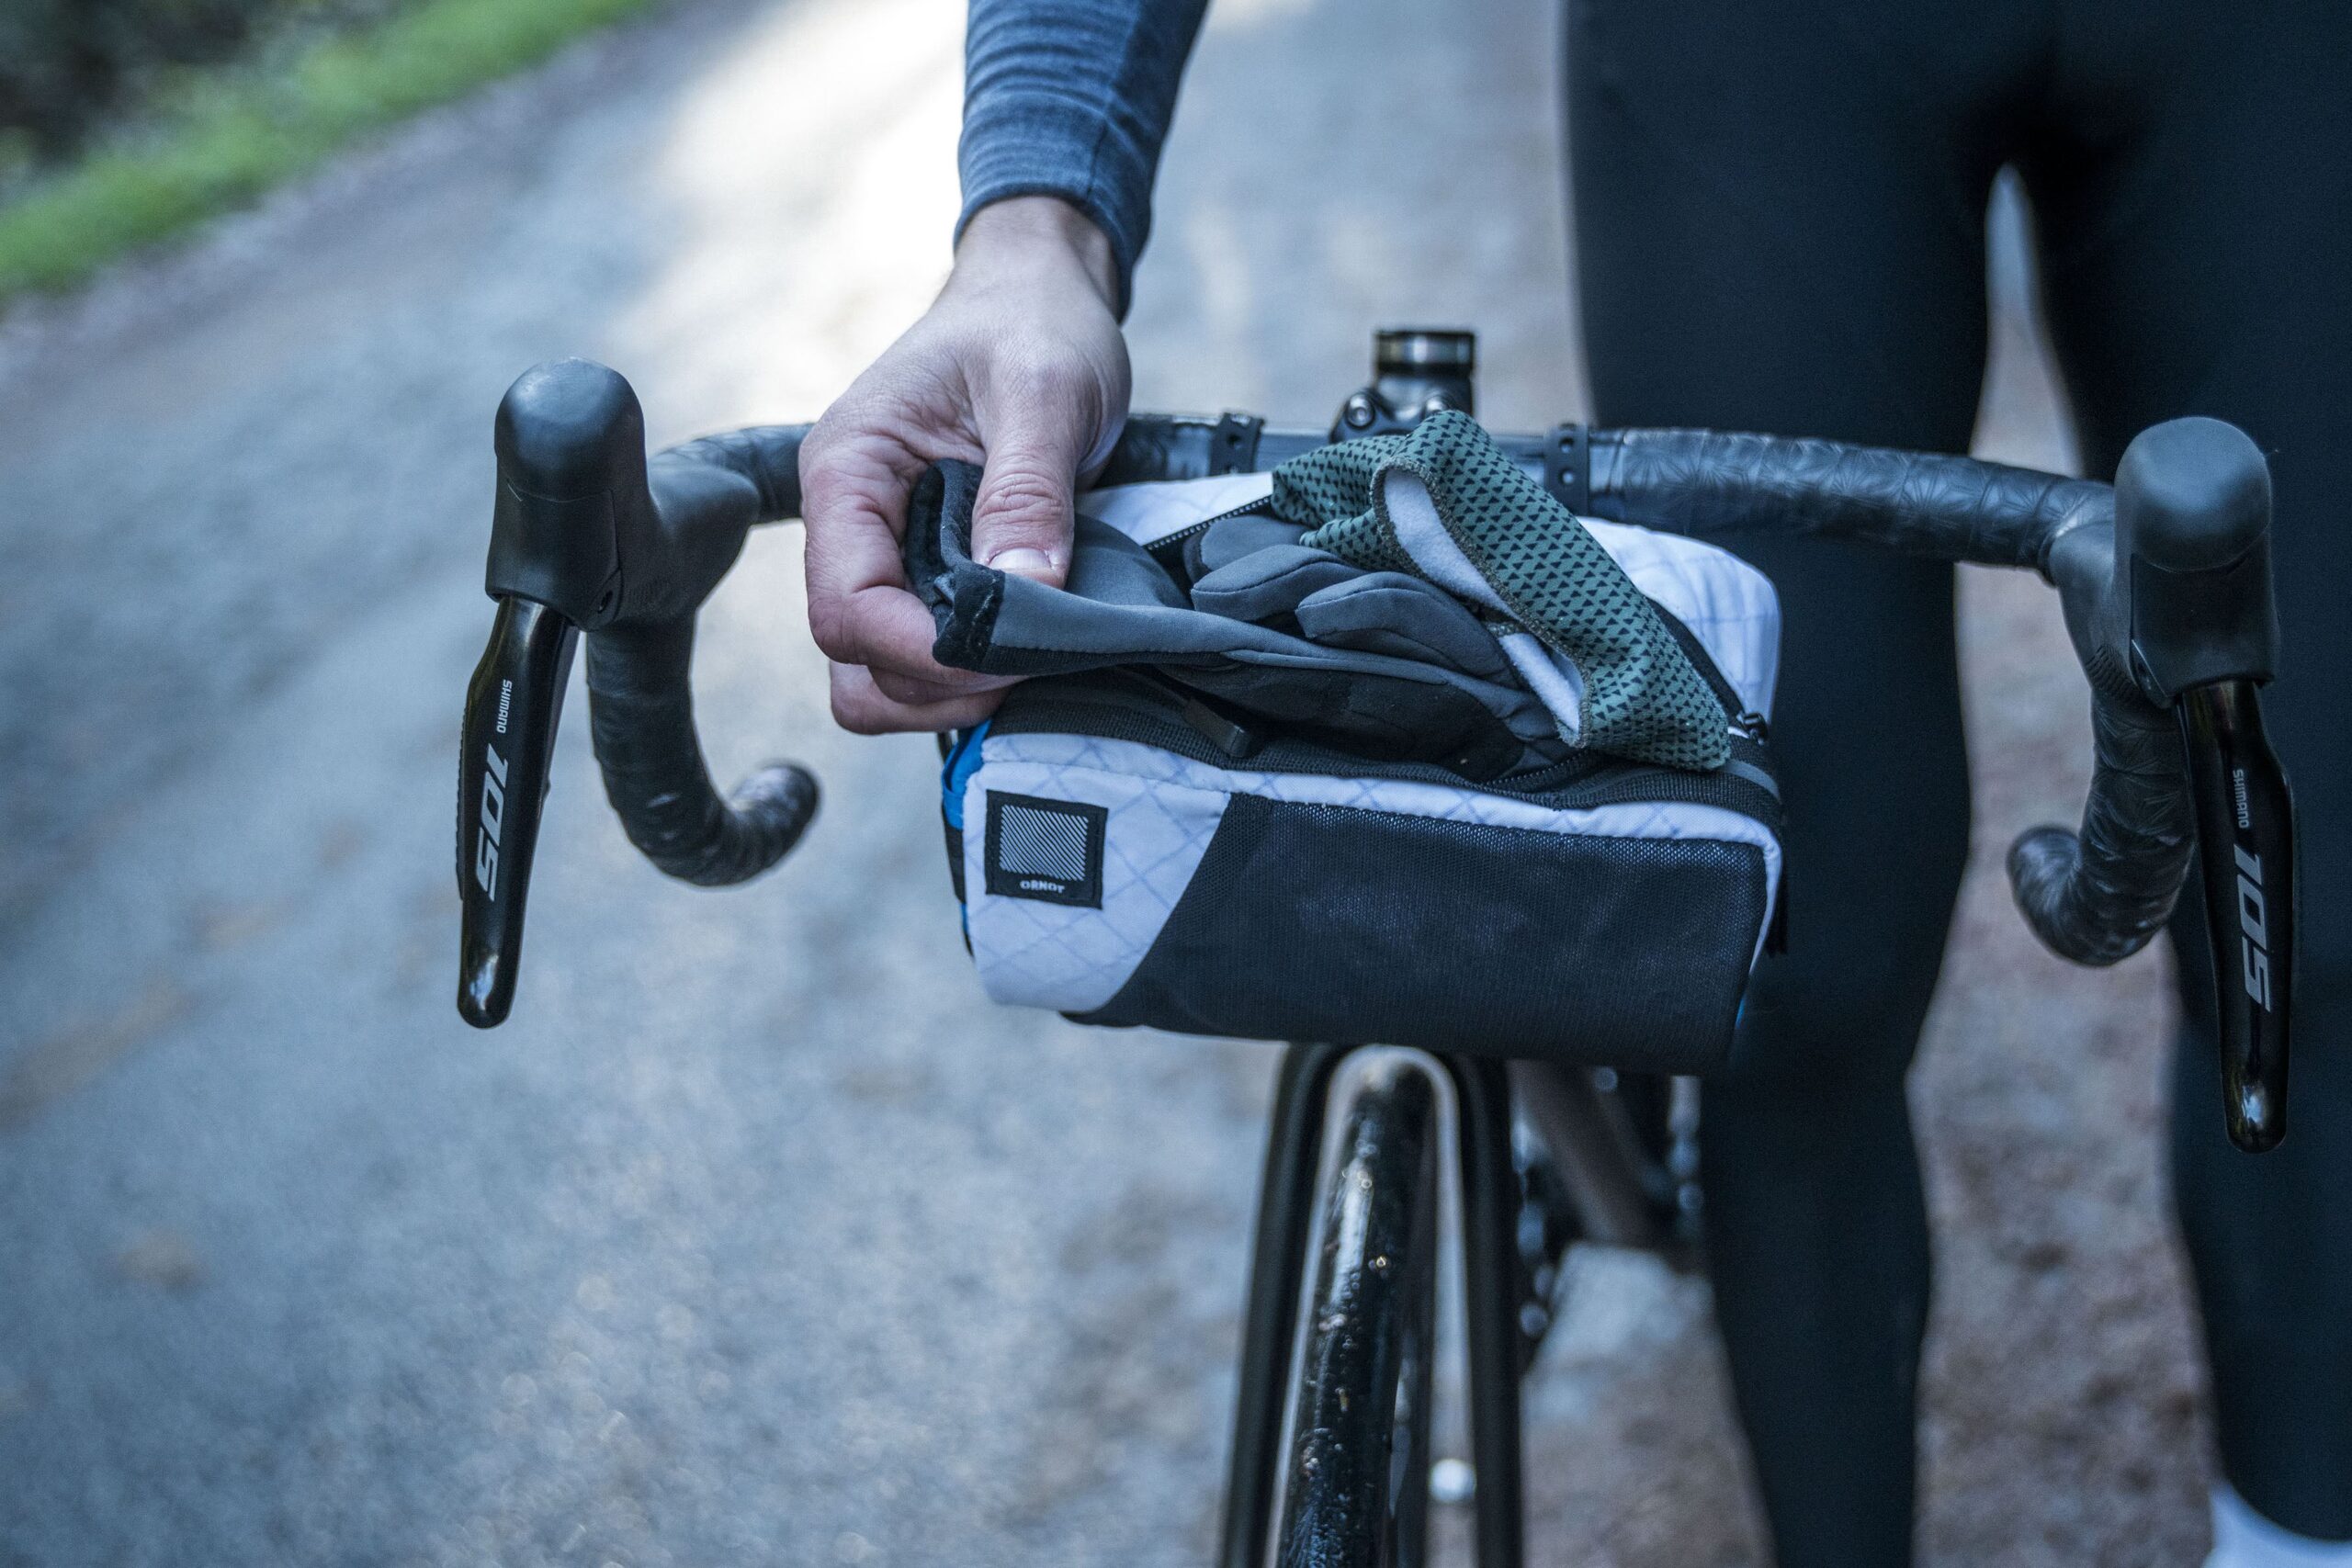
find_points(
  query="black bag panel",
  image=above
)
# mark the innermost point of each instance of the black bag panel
(1322, 922)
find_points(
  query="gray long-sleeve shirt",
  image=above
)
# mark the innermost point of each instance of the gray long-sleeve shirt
(1072, 98)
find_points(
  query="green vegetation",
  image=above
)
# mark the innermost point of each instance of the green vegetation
(238, 133)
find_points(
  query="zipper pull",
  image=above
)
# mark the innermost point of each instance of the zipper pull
(1222, 730)
(1236, 739)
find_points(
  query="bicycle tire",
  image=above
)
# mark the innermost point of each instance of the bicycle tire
(1357, 1465)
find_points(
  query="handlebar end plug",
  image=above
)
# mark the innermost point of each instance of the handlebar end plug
(2256, 1118)
(485, 988)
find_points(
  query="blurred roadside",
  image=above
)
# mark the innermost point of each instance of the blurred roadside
(68, 73)
(757, 1235)
(123, 124)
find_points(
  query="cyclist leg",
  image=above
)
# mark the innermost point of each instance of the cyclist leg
(1779, 216)
(2197, 259)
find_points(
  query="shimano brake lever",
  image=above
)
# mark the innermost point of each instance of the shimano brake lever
(2192, 566)
(2246, 838)
(512, 707)
(571, 447)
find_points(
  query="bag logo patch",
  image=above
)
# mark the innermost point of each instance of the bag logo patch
(1051, 851)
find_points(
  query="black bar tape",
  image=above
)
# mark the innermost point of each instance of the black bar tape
(642, 716)
(1707, 484)
(767, 455)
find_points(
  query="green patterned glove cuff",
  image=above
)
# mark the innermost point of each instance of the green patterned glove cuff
(1446, 504)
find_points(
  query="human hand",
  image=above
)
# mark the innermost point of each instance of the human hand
(1019, 366)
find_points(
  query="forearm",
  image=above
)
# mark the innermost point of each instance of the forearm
(1071, 98)
(1023, 234)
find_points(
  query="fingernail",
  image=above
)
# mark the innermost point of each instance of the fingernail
(1022, 559)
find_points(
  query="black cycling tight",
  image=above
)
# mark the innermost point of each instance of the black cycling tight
(1781, 223)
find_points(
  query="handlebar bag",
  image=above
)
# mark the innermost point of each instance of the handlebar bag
(1263, 788)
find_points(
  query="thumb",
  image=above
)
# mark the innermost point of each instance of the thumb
(1021, 519)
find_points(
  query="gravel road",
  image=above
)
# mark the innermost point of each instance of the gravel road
(757, 1235)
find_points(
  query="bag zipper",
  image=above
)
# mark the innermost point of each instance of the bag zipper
(1173, 544)
(1145, 712)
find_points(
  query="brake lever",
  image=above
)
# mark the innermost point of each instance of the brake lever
(2192, 565)
(570, 442)
(2245, 846)
(513, 706)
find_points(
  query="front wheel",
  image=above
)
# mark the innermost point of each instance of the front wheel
(1356, 1483)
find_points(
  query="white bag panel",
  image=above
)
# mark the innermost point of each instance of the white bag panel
(1075, 958)
(1150, 513)
(1728, 604)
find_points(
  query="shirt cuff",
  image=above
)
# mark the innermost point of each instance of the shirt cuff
(1037, 144)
